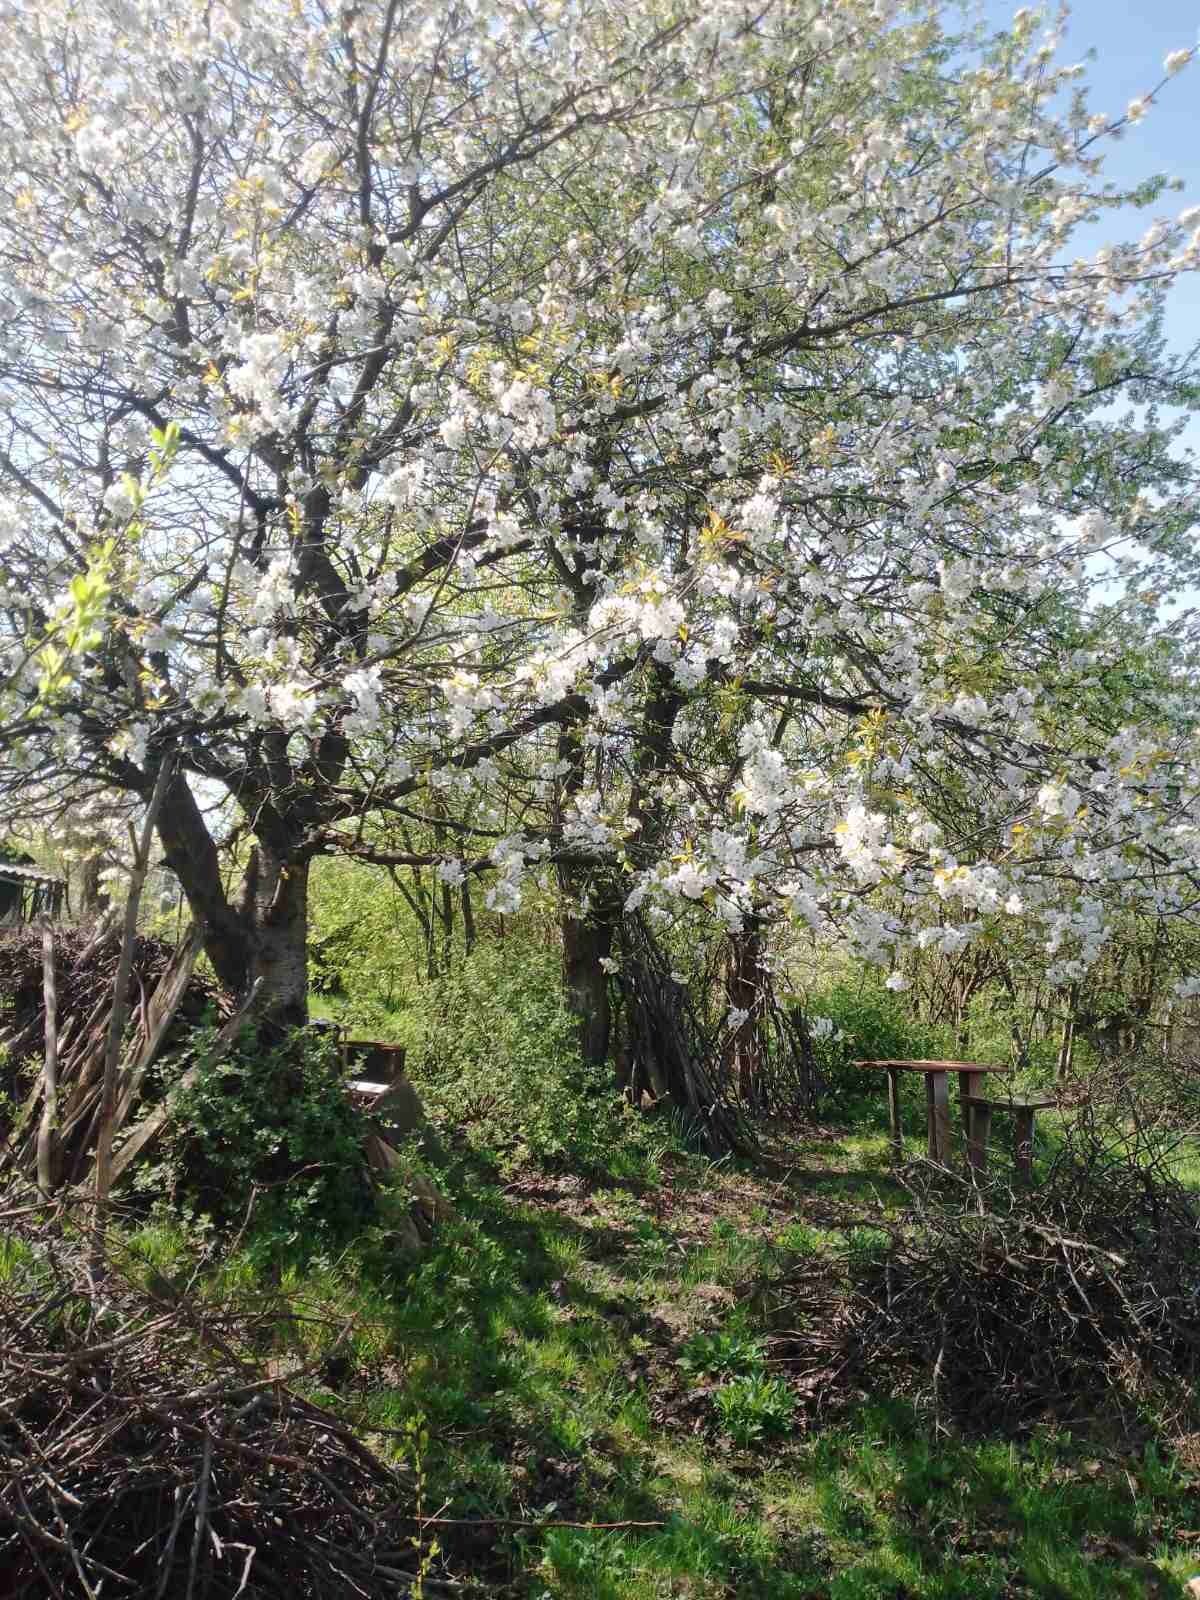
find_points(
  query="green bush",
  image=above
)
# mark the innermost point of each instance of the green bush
(870, 1023)
(722, 1354)
(272, 1123)
(495, 1053)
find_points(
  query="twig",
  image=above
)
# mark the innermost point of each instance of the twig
(201, 1516)
(522, 1522)
(116, 1019)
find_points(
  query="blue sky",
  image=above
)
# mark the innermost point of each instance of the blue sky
(1130, 41)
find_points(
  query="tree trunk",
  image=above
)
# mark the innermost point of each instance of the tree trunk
(265, 936)
(1066, 1045)
(587, 942)
(92, 901)
(189, 851)
(746, 986)
(275, 904)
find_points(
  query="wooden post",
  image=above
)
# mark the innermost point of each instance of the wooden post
(979, 1132)
(120, 1008)
(939, 1116)
(930, 1120)
(893, 1078)
(47, 1139)
(969, 1083)
(1023, 1153)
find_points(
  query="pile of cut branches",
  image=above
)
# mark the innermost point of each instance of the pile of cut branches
(163, 998)
(146, 1452)
(1009, 1305)
(86, 966)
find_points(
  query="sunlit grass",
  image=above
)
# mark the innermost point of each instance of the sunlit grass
(557, 1357)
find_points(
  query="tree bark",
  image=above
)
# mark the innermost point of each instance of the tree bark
(92, 901)
(275, 907)
(189, 851)
(592, 916)
(265, 935)
(746, 985)
(587, 941)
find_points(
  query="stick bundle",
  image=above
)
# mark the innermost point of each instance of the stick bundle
(162, 991)
(1012, 1305)
(146, 1451)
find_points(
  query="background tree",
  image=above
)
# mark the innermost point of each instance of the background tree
(468, 401)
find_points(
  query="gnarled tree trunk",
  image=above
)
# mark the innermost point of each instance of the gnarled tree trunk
(262, 936)
(747, 986)
(587, 941)
(275, 907)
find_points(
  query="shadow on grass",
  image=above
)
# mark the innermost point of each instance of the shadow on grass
(527, 1344)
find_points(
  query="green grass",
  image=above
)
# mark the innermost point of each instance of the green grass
(578, 1352)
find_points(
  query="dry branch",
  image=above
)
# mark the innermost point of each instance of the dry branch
(160, 990)
(1004, 1306)
(146, 1451)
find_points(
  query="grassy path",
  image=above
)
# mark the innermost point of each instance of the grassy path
(578, 1352)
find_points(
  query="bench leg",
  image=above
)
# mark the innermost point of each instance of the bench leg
(1023, 1153)
(972, 1083)
(979, 1129)
(930, 1120)
(893, 1079)
(938, 1094)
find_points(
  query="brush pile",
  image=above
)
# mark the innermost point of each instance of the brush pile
(86, 965)
(147, 1450)
(1013, 1305)
(164, 997)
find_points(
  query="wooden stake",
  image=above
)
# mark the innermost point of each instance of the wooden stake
(893, 1079)
(120, 1008)
(47, 1140)
(1024, 1143)
(980, 1129)
(164, 1003)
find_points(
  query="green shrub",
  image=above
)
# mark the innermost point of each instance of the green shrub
(870, 1023)
(271, 1123)
(722, 1354)
(495, 1053)
(753, 1407)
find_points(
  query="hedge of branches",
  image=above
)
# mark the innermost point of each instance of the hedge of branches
(86, 965)
(144, 1453)
(1007, 1305)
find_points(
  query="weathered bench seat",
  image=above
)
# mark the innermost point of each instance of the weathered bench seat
(1024, 1108)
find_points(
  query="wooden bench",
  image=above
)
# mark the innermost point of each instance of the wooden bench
(979, 1127)
(937, 1096)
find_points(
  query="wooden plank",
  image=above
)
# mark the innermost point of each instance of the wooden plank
(894, 1115)
(939, 1116)
(1015, 1103)
(47, 1142)
(914, 1065)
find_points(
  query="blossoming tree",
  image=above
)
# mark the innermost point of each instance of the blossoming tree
(477, 405)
